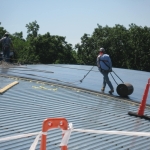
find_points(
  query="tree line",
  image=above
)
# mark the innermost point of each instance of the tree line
(128, 48)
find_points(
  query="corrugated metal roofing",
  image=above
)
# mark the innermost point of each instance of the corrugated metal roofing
(72, 74)
(26, 105)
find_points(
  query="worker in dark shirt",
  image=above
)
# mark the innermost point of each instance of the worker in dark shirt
(6, 45)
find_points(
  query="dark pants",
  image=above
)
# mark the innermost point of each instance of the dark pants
(106, 79)
(1, 56)
(6, 54)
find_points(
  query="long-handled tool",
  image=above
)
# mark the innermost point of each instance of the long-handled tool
(86, 74)
(114, 78)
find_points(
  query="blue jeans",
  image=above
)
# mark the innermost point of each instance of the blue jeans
(106, 79)
(6, 54)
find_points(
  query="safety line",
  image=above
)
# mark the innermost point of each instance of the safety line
(67, 134)
(18, 136)
(83, 131)
(114, 132)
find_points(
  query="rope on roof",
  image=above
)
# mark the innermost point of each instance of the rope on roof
(66, 131)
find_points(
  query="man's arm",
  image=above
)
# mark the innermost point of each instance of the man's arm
(98, 62)
(110, 63)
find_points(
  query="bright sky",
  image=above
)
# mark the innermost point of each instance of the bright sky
(72, 18)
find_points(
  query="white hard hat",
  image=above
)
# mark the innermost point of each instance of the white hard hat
(6, 33)
(102, 49)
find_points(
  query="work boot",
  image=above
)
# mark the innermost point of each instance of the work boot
(103, 89)
(111, 91)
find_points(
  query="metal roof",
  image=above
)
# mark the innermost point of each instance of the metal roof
(72, 74)
(24, 107)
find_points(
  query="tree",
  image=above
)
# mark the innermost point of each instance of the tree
(32, 29)
(2, 32)
(86, 50)
(128, 48)
(139, 47)
(18, 35)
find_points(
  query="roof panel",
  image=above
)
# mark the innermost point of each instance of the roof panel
(71, 75)
(27, 104)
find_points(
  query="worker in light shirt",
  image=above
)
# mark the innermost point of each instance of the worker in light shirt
(105, 66)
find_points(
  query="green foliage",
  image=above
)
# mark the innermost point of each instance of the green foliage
(128, 48)
(2, 32)
(32, 29)
(52, 49)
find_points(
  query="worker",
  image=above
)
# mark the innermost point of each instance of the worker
(6, 45)
(105, 66)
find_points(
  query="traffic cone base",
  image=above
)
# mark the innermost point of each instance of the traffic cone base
(141, 109)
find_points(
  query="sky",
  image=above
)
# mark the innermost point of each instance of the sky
(72, 18)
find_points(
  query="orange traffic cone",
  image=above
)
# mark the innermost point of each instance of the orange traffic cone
(140, 112)
(143, 103)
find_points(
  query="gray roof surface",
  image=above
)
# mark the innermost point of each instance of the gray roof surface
(72, 74)
(27, 104)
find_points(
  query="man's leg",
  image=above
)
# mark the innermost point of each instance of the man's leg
(105, 74)
(104, 84)
(4, 54)
(1, 56)
(7, 54)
